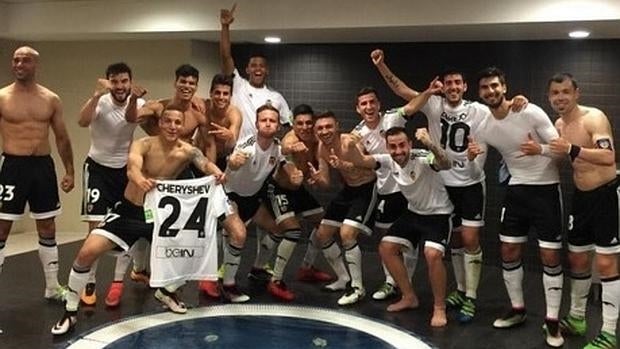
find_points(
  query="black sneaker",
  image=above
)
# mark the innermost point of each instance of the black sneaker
(260, 275)
(232, 294)
(553, 336)
(513, 318)
(65, 324)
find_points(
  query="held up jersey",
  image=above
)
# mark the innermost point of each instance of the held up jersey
(184, 214)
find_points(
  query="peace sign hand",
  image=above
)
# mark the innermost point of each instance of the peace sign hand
(314, 174)
(221, 132)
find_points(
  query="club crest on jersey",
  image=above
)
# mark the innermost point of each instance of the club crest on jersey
(272, 160)
(89, 208)
(413, 175)
(603, 143)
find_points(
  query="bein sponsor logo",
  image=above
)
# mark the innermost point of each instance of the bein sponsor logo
(179, 252)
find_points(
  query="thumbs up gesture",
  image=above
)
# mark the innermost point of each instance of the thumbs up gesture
(530, 146)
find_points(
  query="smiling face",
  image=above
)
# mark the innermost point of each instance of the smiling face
(257, 71)
(492, 91)
(24, 64)
(399, 146)
(563, 96)
(368, 107)
(171, 124)
(326, 129)
(453, 88)
(121, 86)
(303, 126)
(185, 87)
(220, 95)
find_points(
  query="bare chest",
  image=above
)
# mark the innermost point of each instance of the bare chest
(18, 109)
(575, 132)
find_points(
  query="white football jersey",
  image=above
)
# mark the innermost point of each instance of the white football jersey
(419, 182)
(249, 178)
(110, 133)
(450, 127)
(507, 135)
(373, 141)
(249, 98)
(184, 214)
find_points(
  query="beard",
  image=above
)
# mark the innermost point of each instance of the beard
(123, 99)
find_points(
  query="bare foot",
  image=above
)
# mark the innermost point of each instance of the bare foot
(403, 304)
(439, 318)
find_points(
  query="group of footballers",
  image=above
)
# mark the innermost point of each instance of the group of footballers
(429, 199)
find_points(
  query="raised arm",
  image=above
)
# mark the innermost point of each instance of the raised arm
(394, 83)
(416, 103)
(87, 113)
(63, 144)
(441, 162)
(147, 116)
(226, 19)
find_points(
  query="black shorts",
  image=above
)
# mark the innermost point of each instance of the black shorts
(353, 206)
(102, 187)
(125, 225)
(537, 206)
(221, 162)
(285, 203)
(468, 205)
(389, 208)
(29, 179)
(594, 220)
(247, 206)
(433, 229)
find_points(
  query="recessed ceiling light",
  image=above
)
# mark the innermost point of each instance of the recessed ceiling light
(579, 34)
(272, 39)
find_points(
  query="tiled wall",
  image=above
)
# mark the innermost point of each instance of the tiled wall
(328, 77)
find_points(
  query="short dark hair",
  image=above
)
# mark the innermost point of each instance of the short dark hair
(257, 55)
(186, 70)
(267, 106)
(364, 91)
(451, 71)
(169, 108)
(491, 72)
(561, 77)
(324, 115)
(392, 131)
(302, 109)
(221, 79)
(118, 68)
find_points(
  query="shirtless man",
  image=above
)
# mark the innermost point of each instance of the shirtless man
(27, 174)
(156, 157)
(194, 108)
(586, 136)
(350, 212)
(224, 120)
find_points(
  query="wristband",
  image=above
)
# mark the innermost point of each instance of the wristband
(573, 151)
